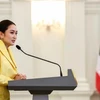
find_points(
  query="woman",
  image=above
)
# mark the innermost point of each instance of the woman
(8, 69)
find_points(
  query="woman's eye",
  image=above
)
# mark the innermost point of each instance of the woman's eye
(11, 32)
(16, 33)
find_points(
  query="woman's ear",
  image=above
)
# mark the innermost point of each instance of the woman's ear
(1, 35)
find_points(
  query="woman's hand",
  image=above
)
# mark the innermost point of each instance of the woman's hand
(20, 77)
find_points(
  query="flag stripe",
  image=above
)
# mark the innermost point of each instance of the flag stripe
(98, 75)
(98, 82)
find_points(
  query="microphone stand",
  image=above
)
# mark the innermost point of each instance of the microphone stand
(41, 59)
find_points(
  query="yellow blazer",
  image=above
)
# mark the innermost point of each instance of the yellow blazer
(8, 70)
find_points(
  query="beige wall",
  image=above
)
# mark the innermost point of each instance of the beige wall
(76, 47)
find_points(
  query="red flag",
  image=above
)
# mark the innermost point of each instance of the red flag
(98, 75)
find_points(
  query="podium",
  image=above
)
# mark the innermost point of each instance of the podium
(40, 88)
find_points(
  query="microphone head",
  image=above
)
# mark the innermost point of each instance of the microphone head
(18, 47)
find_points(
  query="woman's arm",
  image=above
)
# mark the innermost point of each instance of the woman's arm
(4, 80)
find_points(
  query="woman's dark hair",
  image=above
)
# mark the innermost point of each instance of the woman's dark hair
(4, 24)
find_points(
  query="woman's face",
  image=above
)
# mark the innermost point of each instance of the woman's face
(10, 35)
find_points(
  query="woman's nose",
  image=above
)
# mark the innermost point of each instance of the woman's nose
(15, 36)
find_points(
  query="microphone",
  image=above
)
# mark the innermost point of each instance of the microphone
(19, 48)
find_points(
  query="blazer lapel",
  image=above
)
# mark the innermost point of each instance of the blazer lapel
(12, 58)
(7, 54)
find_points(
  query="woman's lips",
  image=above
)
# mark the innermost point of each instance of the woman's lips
(13, 41)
